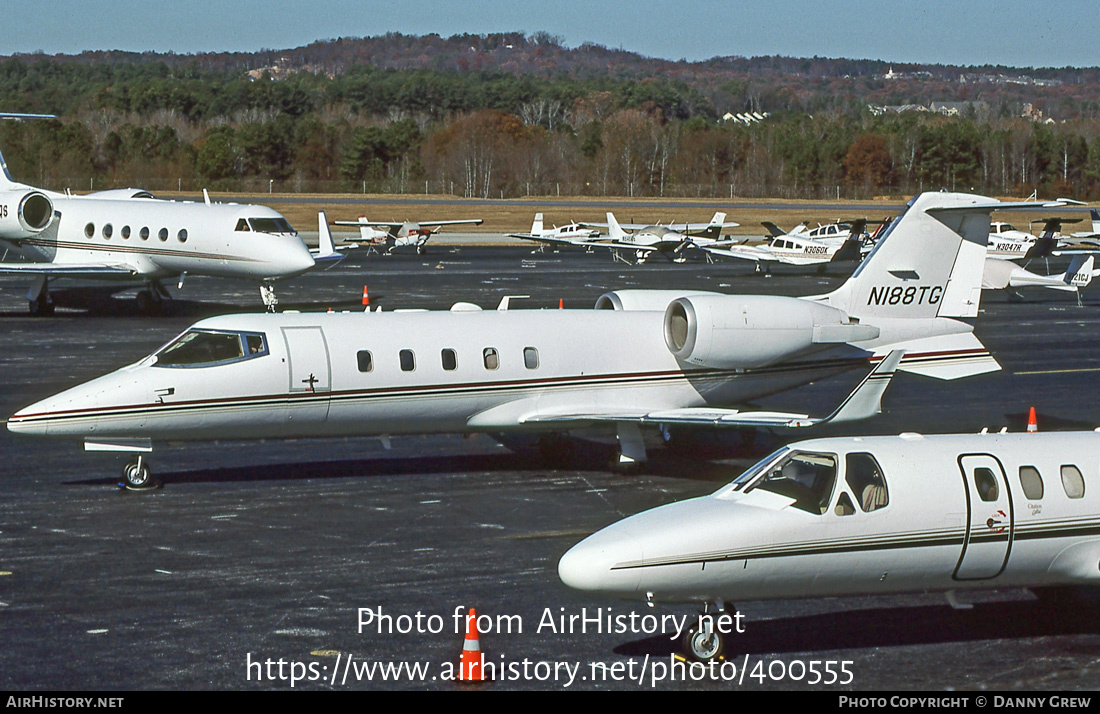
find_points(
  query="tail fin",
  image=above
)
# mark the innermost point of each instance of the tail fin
(326, 246)
(850, 250)
(1095, 214)
(536, 225)
(614, 230)
(1080, 272)
(718, 220)
(928, 264)
(773, 230)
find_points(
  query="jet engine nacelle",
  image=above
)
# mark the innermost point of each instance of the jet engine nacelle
(23, 214)
(115, 194)
(746, 331)
(644, 300)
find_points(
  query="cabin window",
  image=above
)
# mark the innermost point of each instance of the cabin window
(365, 360)
(864, 477)
(144, 233)
(89, 230)
(162, 234)
(1032, 482)
(108, 229)
(530, 358)
(182, 235)
(492, 359)
(125, 232)
(242, 225)
(408, 361)
(1073, 482)
(203, 348)
(986, 485)
(450, 360)
(806, 477)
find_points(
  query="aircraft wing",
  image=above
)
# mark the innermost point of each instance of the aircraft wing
(744, 252)
(71, 270)
(620, 245)
(864, 402)
(374, 224)
(474, 221)
(552, 239)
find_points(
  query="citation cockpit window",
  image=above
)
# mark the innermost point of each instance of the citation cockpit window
(206, 348)
(805, 476)
(271, 225)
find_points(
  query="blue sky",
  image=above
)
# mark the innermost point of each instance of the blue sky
(1055, 33)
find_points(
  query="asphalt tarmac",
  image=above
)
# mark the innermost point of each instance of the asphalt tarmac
(256, 553)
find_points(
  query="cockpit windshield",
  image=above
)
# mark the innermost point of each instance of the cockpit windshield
(271, 225)
(805, 476)
(750, 475)
(203, 348)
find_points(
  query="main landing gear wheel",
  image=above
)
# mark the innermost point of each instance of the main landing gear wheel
(137, 476)
(703, 646)
(149, 302)
(41, 306)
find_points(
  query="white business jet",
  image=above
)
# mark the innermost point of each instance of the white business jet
(656, 358)
(127, 234)
(400, 234)
(863, 516)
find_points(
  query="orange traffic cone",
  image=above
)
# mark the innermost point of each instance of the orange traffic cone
(469, 666)
(561, 303)
(366, 297)
(1032, 425)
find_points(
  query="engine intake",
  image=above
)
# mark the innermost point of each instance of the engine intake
(24, 214)
(747, 331)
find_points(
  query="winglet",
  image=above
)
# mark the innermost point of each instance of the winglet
(866, 400)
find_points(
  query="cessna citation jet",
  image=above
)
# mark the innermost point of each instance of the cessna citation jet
(657, 358)
(863, 516)
(127, 234)
(400, 234)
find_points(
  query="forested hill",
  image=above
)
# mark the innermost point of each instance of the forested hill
(513, 115)
(725, 84)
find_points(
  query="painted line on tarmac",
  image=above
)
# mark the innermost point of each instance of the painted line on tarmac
(1060, 371)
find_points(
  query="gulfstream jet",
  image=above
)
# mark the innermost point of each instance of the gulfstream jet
(128, 235)
(862, 516)
(649, 359)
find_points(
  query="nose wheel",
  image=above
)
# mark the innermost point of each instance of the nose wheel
(137, 476)
(703, 644)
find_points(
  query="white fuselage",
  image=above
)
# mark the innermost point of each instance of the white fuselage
(152, 239)
(957, 511)
(464, 372)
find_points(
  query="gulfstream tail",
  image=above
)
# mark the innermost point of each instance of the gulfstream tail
(658, 358)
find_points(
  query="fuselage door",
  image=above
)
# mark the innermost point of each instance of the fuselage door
(310, 374)
(988, 539)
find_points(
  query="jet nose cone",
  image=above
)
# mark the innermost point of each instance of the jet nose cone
(601, 563)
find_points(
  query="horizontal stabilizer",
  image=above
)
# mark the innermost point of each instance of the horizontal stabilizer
(943, 357)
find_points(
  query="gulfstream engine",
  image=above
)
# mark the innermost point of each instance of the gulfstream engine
(746, 331)
(23, 214)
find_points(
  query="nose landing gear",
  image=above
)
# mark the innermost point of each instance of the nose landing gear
(137, 476)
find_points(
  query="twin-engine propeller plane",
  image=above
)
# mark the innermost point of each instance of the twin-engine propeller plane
(400, 234)
(843, 245)
(863, 516)
(128, 235)
(654, 359)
